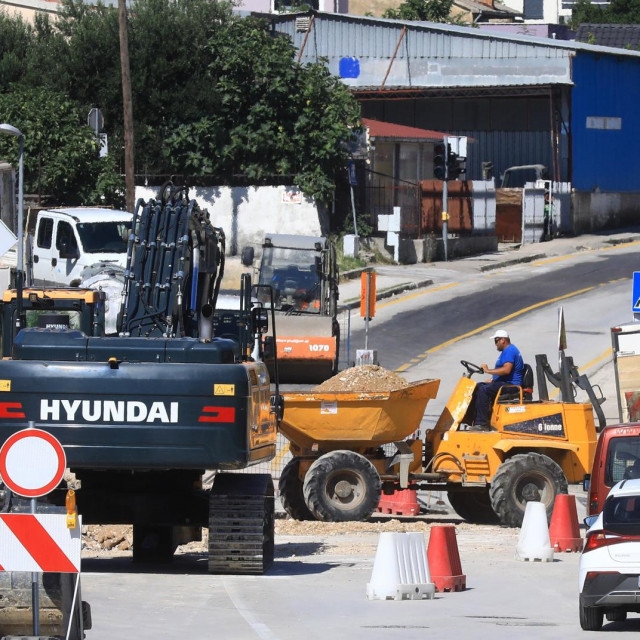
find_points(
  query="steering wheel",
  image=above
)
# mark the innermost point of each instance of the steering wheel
(471, 368)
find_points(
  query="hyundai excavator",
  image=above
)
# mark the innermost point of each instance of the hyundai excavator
(143, 414)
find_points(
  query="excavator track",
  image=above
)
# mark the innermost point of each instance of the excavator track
(241, 524)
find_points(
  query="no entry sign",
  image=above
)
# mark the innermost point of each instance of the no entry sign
(32, 463)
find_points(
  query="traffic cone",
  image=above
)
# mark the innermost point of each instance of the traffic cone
(444, 560)
(534, 543)
(564, 530)
(400, 569)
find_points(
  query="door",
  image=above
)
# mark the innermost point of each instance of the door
(66, 270)
(56, 255)
(43, 251)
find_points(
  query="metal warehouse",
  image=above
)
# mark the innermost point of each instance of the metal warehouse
(567, 105)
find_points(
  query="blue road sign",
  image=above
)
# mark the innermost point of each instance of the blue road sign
(353, 180)
(636, 292)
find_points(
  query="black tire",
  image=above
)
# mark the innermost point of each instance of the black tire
(342, 486)
(523, 478)
(590, 618)
(616, 615)
(473, 505)
(290, 490)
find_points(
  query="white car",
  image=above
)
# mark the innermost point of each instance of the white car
(609, 577)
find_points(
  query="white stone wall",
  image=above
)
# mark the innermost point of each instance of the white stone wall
(247, 213)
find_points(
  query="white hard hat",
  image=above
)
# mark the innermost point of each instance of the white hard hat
(500, 333)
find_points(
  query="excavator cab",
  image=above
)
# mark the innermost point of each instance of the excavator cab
(51, 310)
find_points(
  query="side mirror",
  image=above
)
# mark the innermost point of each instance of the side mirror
(247, 256)
(586, 482)
(589, 521)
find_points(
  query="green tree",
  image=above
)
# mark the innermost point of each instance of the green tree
(423, 10)
(60, 151)
(215, 96)
(273, 117)
(617, 12)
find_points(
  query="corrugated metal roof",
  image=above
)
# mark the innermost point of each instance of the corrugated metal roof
(395, 26)
(372, 53)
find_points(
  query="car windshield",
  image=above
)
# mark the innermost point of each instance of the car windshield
(104, 237)
(623, 460)
(294, 276)
(621, 514)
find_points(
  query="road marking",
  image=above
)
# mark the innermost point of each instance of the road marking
(623, 245)
(260, 628)
(539, 263)
(484, 327)
(397, 299)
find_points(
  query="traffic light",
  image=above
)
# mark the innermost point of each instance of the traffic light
(453, 168)
(439, 161)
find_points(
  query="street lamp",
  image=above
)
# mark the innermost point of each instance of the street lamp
(9, 130)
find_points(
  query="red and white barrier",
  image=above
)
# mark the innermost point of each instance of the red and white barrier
(39, 543)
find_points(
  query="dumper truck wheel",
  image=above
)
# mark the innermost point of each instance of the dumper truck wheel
(342, 486)
(290, 489)
(474, 505)
(523, 478)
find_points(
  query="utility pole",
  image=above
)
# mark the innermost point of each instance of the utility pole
(127, 108)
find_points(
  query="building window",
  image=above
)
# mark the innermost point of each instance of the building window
(533, 10)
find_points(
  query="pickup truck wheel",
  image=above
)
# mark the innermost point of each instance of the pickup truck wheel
(473, 505)
(342, 486)
(590, 618)
(290, 489)
(523, 478)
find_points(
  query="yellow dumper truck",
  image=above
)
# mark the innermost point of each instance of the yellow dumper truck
(349, 447)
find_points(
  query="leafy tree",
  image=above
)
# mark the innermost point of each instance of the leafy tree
(216, 97)
(60, 151)
(16, 38)
(423, 10)
(274, 116)
(617, 12)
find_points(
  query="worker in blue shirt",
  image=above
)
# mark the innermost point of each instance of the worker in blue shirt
(508, 369)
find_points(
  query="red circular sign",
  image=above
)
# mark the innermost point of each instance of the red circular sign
(32, 463)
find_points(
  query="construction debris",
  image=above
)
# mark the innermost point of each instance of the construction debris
(364, 378)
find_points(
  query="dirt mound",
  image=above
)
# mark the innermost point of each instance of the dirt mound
(365, 378)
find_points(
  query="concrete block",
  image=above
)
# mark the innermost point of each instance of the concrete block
(351, 245)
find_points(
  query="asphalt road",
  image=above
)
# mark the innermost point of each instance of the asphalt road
(486, 299)
(317, 587)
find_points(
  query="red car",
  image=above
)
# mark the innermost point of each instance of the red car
(617, 458)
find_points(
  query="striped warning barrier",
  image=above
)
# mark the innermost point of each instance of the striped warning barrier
(39, 543)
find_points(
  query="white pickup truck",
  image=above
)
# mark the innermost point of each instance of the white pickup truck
(69, 242)
(77, 246)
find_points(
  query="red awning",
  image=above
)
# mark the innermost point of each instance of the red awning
(379, 129)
